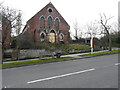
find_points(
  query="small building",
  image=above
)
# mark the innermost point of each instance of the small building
(48, 25)
(87, 41)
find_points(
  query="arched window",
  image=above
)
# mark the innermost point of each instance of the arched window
(52, 36)
(61, 36)
(42, 36)
(49, 21)
(57, 23)
(42, 22)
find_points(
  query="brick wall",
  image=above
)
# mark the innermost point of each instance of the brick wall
(34, 23)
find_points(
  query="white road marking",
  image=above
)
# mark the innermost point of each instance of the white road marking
(117, 64)
(59, 76)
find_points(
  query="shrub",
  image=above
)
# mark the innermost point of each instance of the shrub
(25, 42)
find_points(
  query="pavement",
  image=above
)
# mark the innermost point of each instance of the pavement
(94, 72)
(76, 55)
(70, 55)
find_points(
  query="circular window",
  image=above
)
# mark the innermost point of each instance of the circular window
(50, 10)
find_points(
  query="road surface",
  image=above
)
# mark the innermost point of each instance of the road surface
(95, 72)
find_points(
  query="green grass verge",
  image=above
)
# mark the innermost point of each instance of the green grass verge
(101, 53)
(18, 63)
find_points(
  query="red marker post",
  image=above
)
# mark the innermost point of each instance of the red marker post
(92, 43)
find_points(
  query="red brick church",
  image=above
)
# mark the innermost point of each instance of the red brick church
(48, 25)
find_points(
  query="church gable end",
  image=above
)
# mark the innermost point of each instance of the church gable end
(47, 25)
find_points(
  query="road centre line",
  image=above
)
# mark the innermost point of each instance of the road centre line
(59, 76)
(117, 64)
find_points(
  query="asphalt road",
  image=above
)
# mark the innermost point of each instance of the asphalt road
(95, 72)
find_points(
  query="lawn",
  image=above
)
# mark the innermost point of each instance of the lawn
(18, 63)
(101, 53)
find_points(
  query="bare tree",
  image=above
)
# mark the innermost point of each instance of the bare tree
(92, 27)
(77, 29)
(18, 29)
(13, 16)
(18, 23)
(13, 19)
(106, 28)
(10, 14)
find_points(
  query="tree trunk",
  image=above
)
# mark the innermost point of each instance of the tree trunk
(110, 43)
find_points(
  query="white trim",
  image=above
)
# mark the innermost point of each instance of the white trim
(57, 18)
(41, 17)
(53, 30)
(62, 35)
(42, 39)
(49, 8)
(43, 33)
(49, 16)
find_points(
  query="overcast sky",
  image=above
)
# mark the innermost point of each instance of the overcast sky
(84, 11)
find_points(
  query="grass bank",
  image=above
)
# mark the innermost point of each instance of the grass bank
(101, 53)
(18, 63)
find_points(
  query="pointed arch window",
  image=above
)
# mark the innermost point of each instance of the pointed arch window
(61, 36)
(57, 23)
(42, 22)
(49, 21)
(42, 36)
